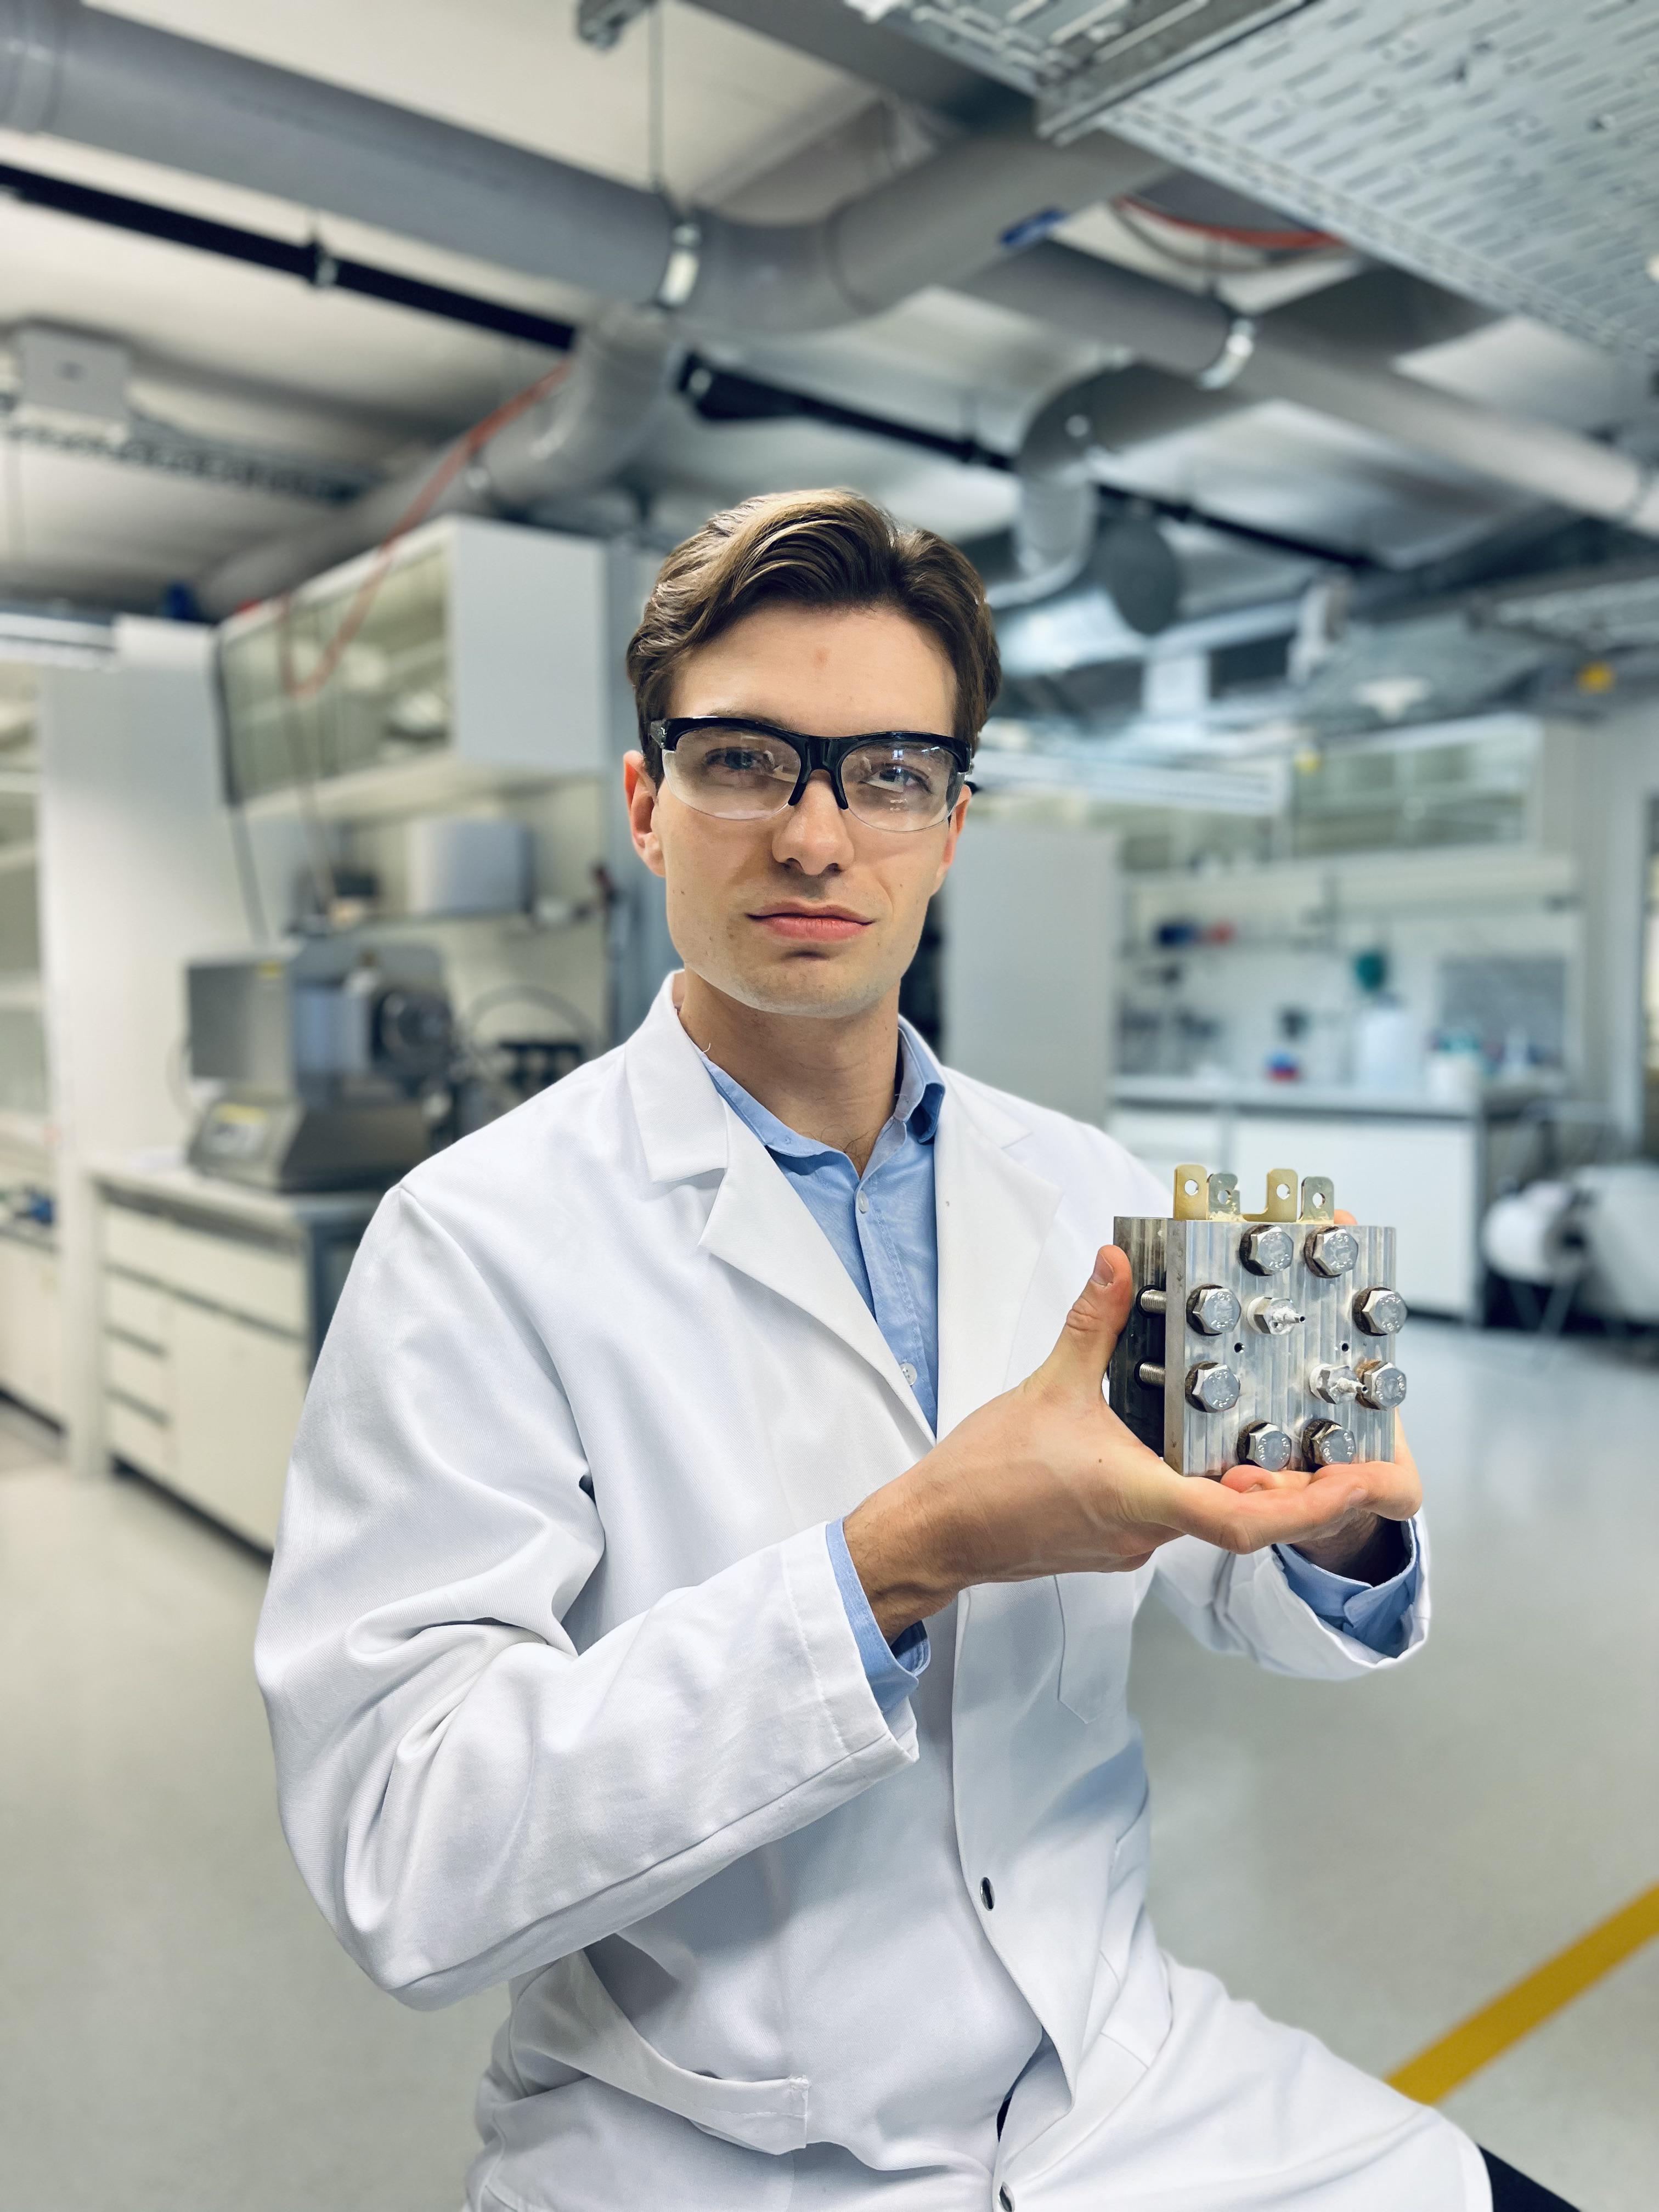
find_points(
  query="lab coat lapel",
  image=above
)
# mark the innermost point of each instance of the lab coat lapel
(994, 1216)
(756, 1223)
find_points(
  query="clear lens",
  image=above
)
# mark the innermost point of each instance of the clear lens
(731, 770)
(743, 774)
(900, 786)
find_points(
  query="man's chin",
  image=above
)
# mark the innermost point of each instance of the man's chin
(811, 985)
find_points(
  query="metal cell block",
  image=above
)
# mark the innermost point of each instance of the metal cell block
(1298, 1373)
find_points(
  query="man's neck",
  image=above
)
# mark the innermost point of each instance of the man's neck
(831, 1079)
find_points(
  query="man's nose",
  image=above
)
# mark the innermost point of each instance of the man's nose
(814, 834)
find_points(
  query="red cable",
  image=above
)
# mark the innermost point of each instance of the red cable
(460, 454)
(1268, 241)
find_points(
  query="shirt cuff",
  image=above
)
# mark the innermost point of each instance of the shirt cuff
(893, 1669)
(1373, 1614)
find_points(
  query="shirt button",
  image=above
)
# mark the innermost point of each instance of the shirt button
(864, 1202)
(987, 1896)
(907, 1370)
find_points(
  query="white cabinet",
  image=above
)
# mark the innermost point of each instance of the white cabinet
(238, 1387)
(472, 655)
(30, 1331)
(1423, 1175)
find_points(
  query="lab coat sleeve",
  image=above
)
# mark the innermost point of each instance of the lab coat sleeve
(1243, 1604)
(466, 1794)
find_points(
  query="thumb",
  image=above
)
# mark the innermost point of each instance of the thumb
(1093, 1325)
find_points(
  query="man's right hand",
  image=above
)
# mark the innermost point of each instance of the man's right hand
(1046, 1479)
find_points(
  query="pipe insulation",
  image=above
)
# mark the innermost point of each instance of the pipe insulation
(129, 88)
(1189, 333)
(571, 441)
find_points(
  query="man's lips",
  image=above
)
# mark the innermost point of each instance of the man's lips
(826, 925)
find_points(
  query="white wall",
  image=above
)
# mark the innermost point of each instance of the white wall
(1031, 925)
(136, 875)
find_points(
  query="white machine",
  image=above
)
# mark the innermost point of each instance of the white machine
(324, 1047)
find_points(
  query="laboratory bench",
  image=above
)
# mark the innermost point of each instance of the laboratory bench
(1425, 1167)
(214, 1301)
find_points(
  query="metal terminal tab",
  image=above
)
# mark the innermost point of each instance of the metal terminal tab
(1192, 1192)
(1224, 1198)
(1283, 1197)
(1318, 1198)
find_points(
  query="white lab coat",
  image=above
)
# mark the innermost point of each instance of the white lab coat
(563, 1694)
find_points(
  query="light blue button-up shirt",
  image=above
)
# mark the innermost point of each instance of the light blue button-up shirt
(882, 1225)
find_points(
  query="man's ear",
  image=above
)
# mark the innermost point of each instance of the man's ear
(639, 794)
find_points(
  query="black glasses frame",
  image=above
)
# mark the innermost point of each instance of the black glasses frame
(828, 754)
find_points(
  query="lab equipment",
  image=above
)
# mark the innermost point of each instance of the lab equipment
(1264, 1340)
(324, 1047)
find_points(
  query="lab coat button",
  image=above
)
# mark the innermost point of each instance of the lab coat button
(987, 1896)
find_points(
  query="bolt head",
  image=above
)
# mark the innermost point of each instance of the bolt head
(1268, 1248)
(1213, 1310)
(1381, 1384)
(1211, 1387)
(1380, 1312)
(1332, 1251)
(1327, 1444)
(1265, 1444)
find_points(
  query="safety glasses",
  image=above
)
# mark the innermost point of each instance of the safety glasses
(744, 770)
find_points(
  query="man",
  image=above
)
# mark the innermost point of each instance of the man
(706, 1574)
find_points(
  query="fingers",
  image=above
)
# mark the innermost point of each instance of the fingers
(1092, 1327)
(1346, 1219)
(1249, 1520)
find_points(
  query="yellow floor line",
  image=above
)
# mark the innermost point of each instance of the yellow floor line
(1434, 2073)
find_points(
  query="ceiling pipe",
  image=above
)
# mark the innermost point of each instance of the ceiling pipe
(129, 88)
(570, 442)
(1199, 338)
(1380, 312)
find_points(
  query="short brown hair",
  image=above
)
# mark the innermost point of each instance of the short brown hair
(815, 549)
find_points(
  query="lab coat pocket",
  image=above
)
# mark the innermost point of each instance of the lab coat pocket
(570, 2017)
(1096, 1611)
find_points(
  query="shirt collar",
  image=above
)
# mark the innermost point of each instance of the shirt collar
(917, 1106)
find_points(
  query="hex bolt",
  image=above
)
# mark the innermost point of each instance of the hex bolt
(1213, 1310)
(1332, 1251)
(1267, 1249)
(1274, 1316)
(1154, 1302)
(1265, 1444)
(1150, 1374)
(1327, 1444)
(1381, 1384)
(1379, 1311)
(1213, 1388)
(1335, 1385)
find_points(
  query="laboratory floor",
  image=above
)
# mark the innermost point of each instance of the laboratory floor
(177, 2029)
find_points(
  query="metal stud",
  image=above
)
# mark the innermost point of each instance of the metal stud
(1337, 1385)
(1274, 1316)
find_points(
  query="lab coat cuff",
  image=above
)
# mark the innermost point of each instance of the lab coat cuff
(1372, 1613)
(892, 1669)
